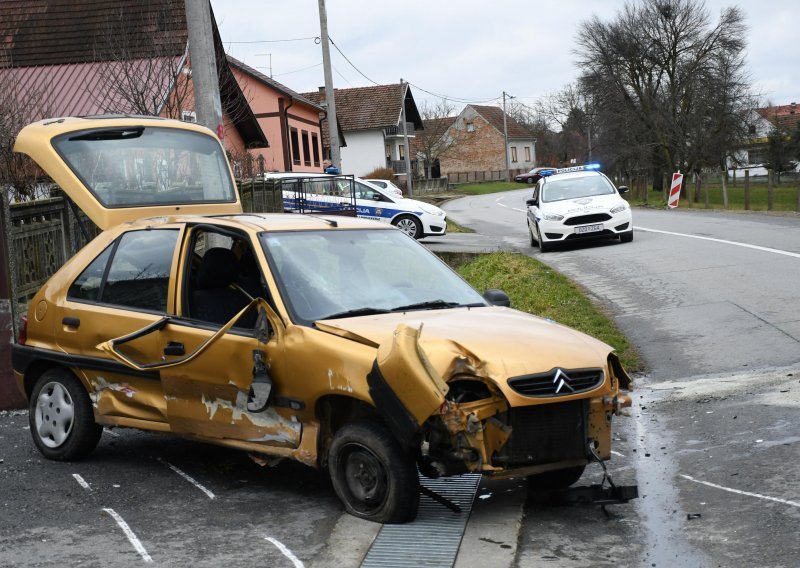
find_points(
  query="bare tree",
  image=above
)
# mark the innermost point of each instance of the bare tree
(654, 63)
(437, 138)
(21, 102)
(150, 79)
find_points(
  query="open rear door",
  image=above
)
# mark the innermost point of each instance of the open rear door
(121, 169)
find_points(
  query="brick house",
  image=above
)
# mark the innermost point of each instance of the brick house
(290, 121)
(114, 56)
(371, 121)
(479, 143)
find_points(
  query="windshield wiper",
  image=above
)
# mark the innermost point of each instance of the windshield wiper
(356, 312)
(433, 305)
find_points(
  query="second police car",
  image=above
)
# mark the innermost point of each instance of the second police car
(576, 203)
(415, 218)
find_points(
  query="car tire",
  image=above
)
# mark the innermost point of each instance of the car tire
(626, 237)
(543, 246)
(556, 479)
(410, 225)
(530, 180)
(534, 242)
(375, 479)
(61, 417)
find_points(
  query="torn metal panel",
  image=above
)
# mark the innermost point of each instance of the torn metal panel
(136, 398)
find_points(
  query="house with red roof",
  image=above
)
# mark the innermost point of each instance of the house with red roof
(113, 56)
(371, 120)
(478, 143)
(762, 122)
(290, 121)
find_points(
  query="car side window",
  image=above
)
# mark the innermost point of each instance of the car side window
(87, 285)
(139, 273)
(364, 192)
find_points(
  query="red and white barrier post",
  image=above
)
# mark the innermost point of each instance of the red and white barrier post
(675, 190)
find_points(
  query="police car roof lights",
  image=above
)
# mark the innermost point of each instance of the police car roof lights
(585, 167)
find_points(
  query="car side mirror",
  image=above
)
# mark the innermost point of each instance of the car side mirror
(497, 297)
(623, 189)
(530, 202)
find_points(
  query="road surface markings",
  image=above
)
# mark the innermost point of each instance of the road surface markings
(285, 551)
(189, 478)
(617, 454)
(130, 534)
(81, 481)
(723, 241)
(740, 492)
(508, 207)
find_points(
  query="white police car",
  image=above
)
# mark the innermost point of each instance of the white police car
(577, 203)
(322, 193)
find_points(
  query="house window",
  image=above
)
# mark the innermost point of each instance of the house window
(315, 147)
(188, 116)
(751, 129)
(306, 149)
(401, 151)
(295, 146)
(470, 127)
(514, 154)
(527, 153)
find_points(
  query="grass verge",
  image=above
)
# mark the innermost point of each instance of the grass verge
(537, 289)
(453, 227)
(489, 187)
(784, 197)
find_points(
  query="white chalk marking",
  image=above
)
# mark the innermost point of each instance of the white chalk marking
(738, 491)
(130, 534)
(81, 481)
(189, 478)
(723, 241)
(285, 551)
(507, 207)
(617, 454)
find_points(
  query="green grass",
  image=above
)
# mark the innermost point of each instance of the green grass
(785, 197)
(537, 289)
(453, 227)
(489, 187)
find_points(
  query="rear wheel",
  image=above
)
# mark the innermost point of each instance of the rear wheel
(61, 417)
(409, 225)
(372, 475)
(556, 479)
(626, 237)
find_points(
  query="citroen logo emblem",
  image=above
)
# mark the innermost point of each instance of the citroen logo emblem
(561, 380)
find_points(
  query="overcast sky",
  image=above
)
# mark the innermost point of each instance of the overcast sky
(469, 50)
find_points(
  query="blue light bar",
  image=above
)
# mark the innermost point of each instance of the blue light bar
(591, 167)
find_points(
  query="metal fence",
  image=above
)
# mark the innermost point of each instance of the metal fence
(481, 176)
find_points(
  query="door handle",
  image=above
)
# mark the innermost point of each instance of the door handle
(71, 322)
(174, 348)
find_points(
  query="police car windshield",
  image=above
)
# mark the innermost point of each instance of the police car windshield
(556, 189)
(347, 273)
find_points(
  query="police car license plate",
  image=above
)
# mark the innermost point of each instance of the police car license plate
(588, 229)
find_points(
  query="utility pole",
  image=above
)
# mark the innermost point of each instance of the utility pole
(330, 99)
(505, 137)
(405, 137)
(534, 153)
(204, 66)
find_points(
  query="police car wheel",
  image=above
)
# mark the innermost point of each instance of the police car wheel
(543, 246)
(533, 238)
(409, 225)
(626, 237)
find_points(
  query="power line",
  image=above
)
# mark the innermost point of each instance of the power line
(342, 76)
(275, 40)
(351, 63)
(298, 70)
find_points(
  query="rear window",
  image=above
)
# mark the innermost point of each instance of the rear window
(141, 167)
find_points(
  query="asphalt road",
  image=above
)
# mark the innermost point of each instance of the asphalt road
(711, 301)
(713, 440)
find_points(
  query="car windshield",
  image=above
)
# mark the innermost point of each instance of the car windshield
(140, 167)
(342, 273)
(574, 187)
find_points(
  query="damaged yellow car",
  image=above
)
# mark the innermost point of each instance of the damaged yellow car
(334, 341)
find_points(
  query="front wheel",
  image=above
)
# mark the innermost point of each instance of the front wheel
(626, 237)
(530, 180)
(543, 246)
(409, 225)
(61, 417)
(534, 242)
(375, 479)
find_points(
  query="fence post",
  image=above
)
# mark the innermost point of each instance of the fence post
(10, 397)
(770, 189)
(747, 190)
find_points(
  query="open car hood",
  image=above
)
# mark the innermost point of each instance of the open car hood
(119, 169)
(506, 342)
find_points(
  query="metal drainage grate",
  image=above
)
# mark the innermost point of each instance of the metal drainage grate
(433, 538)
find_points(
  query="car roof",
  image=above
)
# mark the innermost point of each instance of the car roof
(267, 221)
(572, 175)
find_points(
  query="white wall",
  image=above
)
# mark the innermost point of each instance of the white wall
(364, 152)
